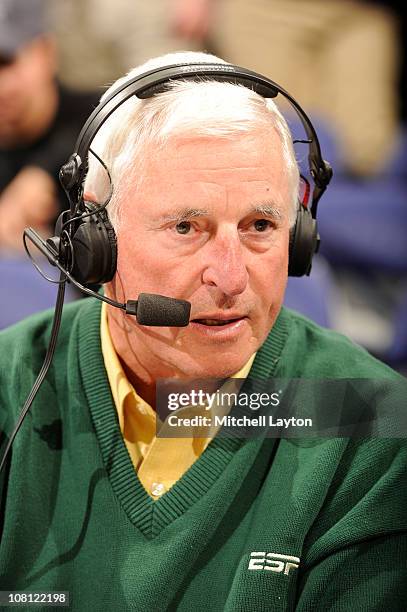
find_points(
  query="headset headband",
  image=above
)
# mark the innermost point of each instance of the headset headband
(155, 81)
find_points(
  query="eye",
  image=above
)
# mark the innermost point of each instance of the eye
(261, 225)
(183, 227)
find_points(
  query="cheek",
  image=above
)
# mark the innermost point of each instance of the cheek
(146, 267)
(270, 280)
(133, 257)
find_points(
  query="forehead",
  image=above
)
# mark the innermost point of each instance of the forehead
(240, 151)
(245, 168)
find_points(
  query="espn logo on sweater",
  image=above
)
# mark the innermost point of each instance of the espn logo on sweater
(273, 562)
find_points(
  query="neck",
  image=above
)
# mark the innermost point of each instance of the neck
(145, 390)
(141, 372)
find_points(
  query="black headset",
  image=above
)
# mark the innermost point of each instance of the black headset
(85, 239)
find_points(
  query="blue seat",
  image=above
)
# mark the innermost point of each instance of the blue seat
(24, 291)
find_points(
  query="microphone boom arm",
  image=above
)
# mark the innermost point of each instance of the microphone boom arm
(150, 309)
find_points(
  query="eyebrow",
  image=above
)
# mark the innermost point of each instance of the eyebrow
(183, 214)
(266, 209)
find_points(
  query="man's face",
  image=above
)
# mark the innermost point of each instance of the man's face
(210, 224)
(24, 85)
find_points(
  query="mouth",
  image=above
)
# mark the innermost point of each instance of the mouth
(216, 322)
(219, 328)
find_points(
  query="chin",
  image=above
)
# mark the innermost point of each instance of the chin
(222, 369)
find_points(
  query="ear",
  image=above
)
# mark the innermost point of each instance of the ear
(89, 196)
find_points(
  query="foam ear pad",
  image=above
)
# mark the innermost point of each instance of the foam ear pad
(94, 248)
(304, 242)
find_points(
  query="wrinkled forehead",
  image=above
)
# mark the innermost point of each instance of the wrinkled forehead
(189, 154)
(247, 168)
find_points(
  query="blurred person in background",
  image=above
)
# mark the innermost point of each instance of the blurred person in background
(39, 122)
(320, 51)
(340, 57)
(99, 39)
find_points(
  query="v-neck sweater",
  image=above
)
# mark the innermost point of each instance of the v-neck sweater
(254, 524)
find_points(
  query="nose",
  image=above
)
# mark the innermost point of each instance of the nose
(225, 267)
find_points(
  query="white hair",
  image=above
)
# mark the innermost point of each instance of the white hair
(205, 108)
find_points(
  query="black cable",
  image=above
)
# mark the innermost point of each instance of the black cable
(44, 368)
(37, 267)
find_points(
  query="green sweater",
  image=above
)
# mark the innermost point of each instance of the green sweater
(74, 516)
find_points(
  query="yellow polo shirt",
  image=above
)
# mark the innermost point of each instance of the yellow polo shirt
(159, 462)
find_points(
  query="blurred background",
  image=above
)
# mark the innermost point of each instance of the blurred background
(343, 60)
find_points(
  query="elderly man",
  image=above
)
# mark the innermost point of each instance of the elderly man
(94, 503)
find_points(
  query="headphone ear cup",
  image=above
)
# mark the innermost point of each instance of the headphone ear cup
(94, 248)
(304, 242)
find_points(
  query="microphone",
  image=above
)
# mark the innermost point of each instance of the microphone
(157, 310)
(150, 309)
